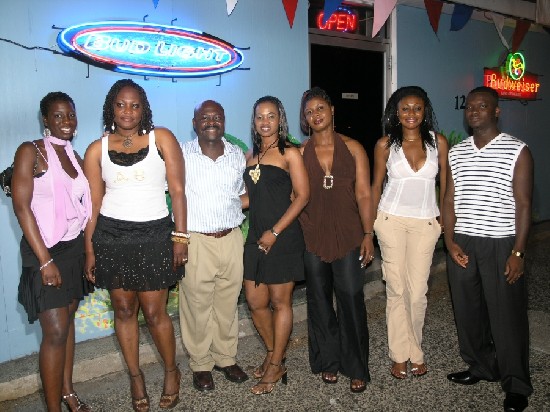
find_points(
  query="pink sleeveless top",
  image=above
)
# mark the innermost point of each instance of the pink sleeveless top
(61, 205)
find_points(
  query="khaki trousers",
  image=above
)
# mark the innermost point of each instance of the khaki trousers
(407, 246)
(208, 297)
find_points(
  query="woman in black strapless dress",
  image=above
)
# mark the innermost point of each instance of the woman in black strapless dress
(278, 190)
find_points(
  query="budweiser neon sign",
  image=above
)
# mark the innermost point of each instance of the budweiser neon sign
(512, 81)
(149, 49)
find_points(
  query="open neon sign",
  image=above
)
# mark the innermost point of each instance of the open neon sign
(343, 20)
(150, 49)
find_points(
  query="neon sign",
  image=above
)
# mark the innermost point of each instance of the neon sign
(343, 20)
(515, 65)
(148, 49)
(511, 81)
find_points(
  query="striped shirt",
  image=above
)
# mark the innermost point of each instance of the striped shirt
(213, 188)
(484, 200)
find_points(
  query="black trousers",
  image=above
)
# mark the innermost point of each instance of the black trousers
(490, 314)
(338, 341)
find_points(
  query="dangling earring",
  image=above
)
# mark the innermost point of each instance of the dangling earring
(113, 127)
(144, 131)
(309, 131)
(332, 121)
(75, 133)
(46, 132)
(280, 131)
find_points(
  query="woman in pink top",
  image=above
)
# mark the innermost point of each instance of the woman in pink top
(410, 155)
(51, 200)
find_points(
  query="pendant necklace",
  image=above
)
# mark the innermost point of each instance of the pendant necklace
(256, 172)
(127, 142)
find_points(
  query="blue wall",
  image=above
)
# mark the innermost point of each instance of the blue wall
(451, 64)
(278, 62)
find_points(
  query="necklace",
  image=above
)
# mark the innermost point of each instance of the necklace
(256, 172)
(127, 142)
(410, 140)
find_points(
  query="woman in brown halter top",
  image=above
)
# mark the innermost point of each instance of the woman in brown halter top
(337, 225)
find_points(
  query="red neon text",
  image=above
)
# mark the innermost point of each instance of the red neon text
(339, 21)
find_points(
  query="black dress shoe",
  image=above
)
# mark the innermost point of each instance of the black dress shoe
(203, 381)
(233, 373)
(463, 378)
(515, 402)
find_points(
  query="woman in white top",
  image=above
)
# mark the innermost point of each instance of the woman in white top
(410, 154)
(133, 248)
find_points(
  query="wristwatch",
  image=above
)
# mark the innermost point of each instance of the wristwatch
(518, 254)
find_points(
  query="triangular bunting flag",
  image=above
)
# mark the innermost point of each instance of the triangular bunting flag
(290, 9)
(522, 27)
(230, 5)
(461, 16)
(156, 3)
(330, 7)
(382, 10)
(434, 7)
(498, 20)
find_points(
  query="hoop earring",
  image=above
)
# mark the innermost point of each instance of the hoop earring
(46, 132)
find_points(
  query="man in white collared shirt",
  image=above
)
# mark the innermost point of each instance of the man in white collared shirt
(213, 276)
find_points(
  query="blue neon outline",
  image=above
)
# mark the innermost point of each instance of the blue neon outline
(65, 37)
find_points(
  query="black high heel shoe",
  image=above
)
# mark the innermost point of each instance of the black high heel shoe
(80, 406)
(263, 388)
(169, 401)
(142, 404)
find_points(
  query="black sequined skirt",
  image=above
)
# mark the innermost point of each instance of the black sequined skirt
(134, 256)
(37, 298)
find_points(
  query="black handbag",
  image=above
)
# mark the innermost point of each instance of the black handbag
(5, 180)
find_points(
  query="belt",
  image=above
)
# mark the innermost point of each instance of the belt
(219, 234)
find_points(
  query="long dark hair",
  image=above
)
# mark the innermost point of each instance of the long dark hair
(390, 122)
(283, 126)
(306, 97)
(146, 122)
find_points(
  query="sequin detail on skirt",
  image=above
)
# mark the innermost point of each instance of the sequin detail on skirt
(134, 255)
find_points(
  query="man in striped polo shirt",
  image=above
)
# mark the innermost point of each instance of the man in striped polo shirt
(487, 215)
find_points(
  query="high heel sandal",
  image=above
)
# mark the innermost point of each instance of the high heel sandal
(140, 405)
(259, 371)
(263, 388)
(80, 406)
(169, 401)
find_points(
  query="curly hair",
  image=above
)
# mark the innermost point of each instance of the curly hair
(284, 141)
(146, 122)
(306, 97)
(392, 126)
(51, 97)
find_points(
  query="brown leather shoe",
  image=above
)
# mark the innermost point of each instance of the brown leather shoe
(203, 381)
(233, 373)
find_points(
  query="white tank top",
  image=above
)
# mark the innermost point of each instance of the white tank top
(409, 193)
(134, 193)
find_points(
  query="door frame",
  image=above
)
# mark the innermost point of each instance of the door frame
(354, 41)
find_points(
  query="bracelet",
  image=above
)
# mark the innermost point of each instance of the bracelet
(369, 233)
(177, 239)
(520, 255)
(181, 234)
(46, 264)
(274, 233)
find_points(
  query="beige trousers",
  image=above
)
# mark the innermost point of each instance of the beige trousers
(407, 246)
(208, 297)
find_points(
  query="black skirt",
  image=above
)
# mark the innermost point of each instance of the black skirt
(134, 256)
(37, 298)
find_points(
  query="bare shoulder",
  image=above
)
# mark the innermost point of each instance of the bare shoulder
(353, 145)
(383, 142)
(249, 154)
(163, 133)
(441, 140)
